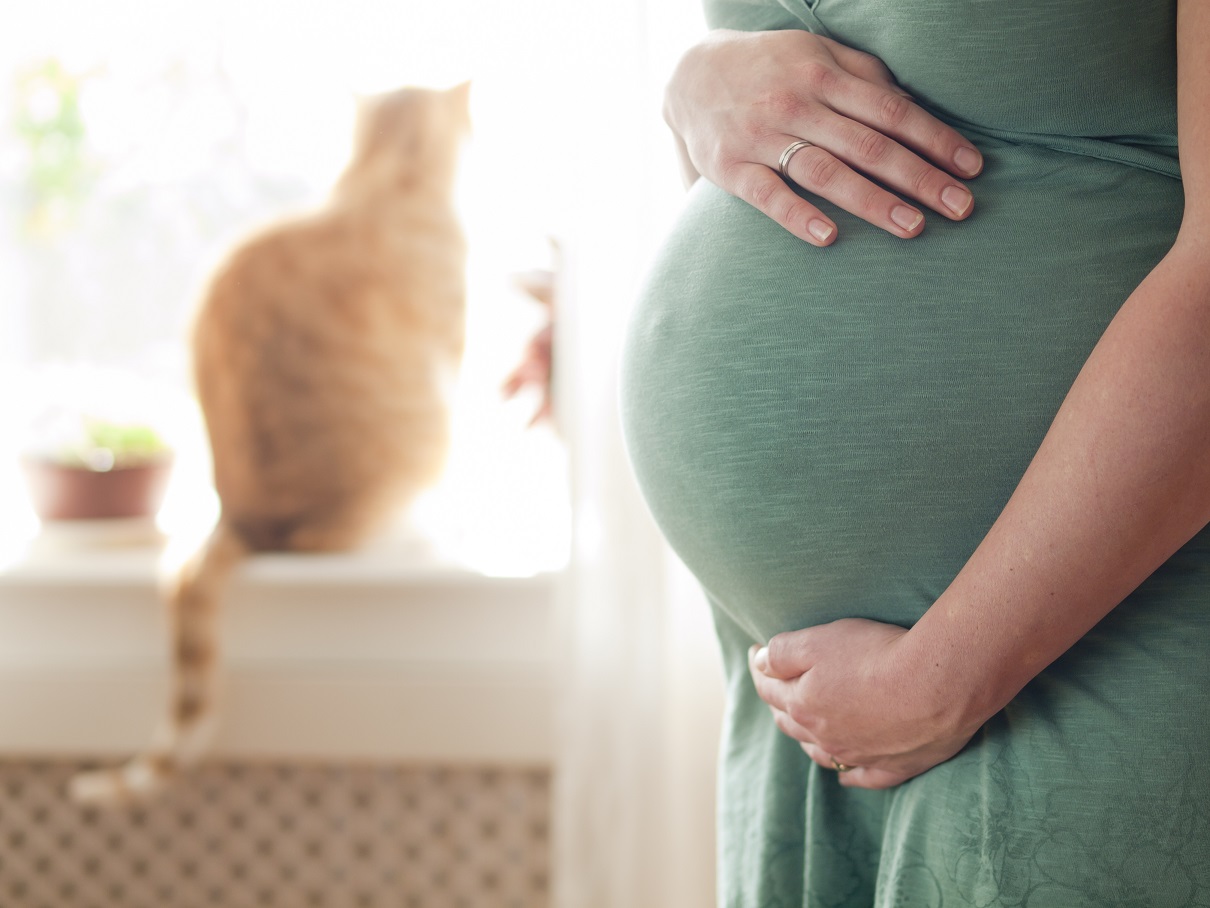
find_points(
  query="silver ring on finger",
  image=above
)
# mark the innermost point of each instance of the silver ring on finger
(793, 148)
(841, 767)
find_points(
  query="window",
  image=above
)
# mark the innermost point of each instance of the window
(140, 141)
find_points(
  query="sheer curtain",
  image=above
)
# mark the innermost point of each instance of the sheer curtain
(641, 687)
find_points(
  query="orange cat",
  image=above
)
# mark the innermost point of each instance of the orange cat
(323, 350)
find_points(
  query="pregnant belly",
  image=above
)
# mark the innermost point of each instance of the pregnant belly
(825, 433)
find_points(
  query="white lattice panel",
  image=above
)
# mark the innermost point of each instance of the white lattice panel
(280, 836)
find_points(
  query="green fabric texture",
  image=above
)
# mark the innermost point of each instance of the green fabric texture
(827, 433)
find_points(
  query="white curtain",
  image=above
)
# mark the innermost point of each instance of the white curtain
(640, 681)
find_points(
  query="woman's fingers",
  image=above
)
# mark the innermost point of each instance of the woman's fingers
(785, 722)
(879, 132)
(855, 776)
(819, 755)
(820, 172)
(863, 65)
(767, 192)
(890, 113)
(834, 168)
(888, 109)
(868, 151)
(861, 777)
(774, 691)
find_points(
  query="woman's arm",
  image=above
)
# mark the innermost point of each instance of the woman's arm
(1120, 482)
(737, 100)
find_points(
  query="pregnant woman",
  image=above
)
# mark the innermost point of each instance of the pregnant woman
(941, 461)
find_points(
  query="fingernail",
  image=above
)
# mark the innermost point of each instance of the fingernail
(956, 199)
(968, 160)
(761, 659)
(820, 230)
(906, 218)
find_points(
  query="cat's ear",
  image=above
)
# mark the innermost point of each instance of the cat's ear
(460, 100)
(362, 105)
(461, 95)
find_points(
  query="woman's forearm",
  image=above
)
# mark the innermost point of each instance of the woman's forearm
(1120, 482)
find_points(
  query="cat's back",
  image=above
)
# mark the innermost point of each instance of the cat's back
(328, 282)
(328, 341)
(325, 345)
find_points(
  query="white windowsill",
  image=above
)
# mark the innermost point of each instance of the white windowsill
(391, 653)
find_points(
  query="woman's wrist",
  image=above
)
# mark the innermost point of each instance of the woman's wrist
(967, 680)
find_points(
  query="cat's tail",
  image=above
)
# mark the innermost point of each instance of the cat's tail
(194, 611)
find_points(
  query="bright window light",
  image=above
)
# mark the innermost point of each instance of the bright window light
(139, 141)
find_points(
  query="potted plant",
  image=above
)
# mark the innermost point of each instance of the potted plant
(110, 470)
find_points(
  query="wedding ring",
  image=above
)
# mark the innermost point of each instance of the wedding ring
(784, 161)
(841, 767)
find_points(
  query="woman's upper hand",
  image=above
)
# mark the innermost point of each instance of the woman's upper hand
(737, 100)
(858, 694)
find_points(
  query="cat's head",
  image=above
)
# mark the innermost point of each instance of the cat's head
(409, 139)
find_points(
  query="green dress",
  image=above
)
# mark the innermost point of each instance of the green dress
(824, 433)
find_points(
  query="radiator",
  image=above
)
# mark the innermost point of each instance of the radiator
(280, 835)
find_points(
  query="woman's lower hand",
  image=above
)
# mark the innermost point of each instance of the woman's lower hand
(859, 699)
(738, 100)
